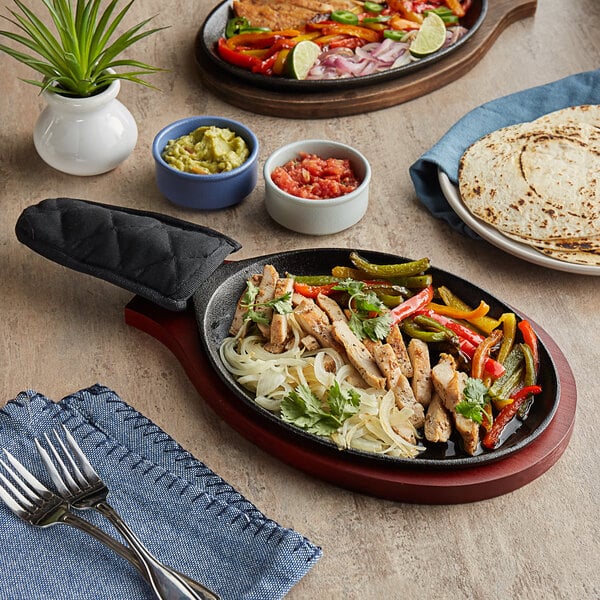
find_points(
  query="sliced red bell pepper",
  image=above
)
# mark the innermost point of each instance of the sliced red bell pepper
(266, 66)
(491, 367)
(236, 57)
(244, 59)
(464, 332)
(469, 340)
(492, 437)
(412, 305)
(347, 42)
(482, 353)
(531, 339)
(312, 291)
(273, 60)
(280, 44)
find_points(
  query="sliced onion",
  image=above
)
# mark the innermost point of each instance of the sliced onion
(374, 57)
(271, 377)
(365, 60)
(270, 404)
(270, 380)
(388, 406)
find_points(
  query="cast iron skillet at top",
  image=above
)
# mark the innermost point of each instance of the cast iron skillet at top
(215, 305)
(214, 27)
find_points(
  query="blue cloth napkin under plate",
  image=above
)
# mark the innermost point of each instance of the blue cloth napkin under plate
(185, 514)
(521, 107)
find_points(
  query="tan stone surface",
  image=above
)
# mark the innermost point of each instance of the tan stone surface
(61, 331)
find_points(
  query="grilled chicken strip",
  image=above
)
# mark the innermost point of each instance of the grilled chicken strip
(310, 342)
(418, 351)
(241, 310)
(467, 428)
(388, 364)
(266, 292)
(369, 344)
(450, 384)
(331, 308)
(358, 355)
(297, 299)
(396, 341)
(441, 376)
(279, 323)
(438, 425)
(315, 322)
(469, 431)
(404, 396)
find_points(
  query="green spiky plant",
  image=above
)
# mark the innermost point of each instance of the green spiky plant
(75, 61)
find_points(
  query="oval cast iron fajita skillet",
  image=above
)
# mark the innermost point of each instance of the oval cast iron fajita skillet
(214, 26)
(169, 261)
(215, 304)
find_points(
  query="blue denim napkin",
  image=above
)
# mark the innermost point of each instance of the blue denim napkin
(185, 514)
(575, 90)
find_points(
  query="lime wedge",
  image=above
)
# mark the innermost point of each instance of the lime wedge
(301, 59)
(430, 37)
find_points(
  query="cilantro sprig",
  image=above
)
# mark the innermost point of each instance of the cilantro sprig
(475, 398)
(369, 317)
(303, 409)
(281, 304)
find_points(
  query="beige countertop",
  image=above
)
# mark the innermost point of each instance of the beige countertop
(62, 331)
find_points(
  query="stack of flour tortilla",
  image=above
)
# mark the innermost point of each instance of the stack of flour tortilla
(539, 183)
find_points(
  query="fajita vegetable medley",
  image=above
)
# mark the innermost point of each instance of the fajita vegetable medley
(379, 359)
(362, 39)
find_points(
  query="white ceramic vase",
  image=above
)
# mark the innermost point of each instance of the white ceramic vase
(85, 136)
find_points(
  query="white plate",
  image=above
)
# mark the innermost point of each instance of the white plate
(493, 236)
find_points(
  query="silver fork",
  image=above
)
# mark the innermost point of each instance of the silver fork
(78, 484)
(33, 502)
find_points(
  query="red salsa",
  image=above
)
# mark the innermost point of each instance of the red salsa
(313, 177)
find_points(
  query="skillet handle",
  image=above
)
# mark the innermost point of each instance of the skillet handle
(158, 257)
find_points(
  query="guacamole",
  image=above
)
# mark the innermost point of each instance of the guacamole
(206, 150)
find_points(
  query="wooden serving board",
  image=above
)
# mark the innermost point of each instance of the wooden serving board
(315, 105)
(179, 333)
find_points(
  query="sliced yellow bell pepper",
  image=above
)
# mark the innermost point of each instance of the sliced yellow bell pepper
(401, 24)
(352, 30)
(323, 40)
(509, 328)
(484, 323)
(311, 35)
(262, 39)
(279, 63)
(405, 8)
(455, 312)
(456, 7)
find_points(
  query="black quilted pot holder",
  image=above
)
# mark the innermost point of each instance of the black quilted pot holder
(161, 258)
